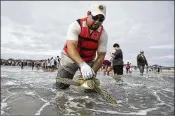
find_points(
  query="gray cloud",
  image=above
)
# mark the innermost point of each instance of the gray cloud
(18, 11)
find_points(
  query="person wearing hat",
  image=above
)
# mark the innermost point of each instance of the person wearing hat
(141, 62)
(86, 38)
(128, 66)
(117, 61)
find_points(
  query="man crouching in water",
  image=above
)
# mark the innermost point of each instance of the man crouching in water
(86, 36)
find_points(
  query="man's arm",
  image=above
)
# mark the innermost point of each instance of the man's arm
(138, 58)
(72, 51)
(72, 36)
(146, 61)
(111, 54)
(72, 42)
(101, 51)
(117, 53)
(98, 62)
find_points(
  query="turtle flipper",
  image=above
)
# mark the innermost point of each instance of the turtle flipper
(105, 95)
(94, 85)
(68, 81)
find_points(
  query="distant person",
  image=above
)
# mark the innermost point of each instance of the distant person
(55, 63)
(33, 64)
(107, 67)
(58, 58)
(48, 64)
(52, 65)
(37, 65)
(22, 64)
(141, 62)
(130, 69)
(127, 67)
(117, 60)
(159, 69)
(58, 61)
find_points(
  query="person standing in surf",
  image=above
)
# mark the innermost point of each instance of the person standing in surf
(22, 64)
(86, 38)
(128, 67)
(117, 62)
(141, 62)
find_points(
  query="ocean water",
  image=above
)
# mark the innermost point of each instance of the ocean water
(31, 92)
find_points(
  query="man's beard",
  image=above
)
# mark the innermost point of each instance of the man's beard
(93, 28)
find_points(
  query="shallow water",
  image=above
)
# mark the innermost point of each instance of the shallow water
(31, 92)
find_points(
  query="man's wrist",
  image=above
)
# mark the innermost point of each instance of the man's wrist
(81, 64)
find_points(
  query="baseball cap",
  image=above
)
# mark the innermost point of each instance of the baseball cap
(98, 8)
(141, 51)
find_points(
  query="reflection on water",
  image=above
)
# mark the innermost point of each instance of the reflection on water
(31, 92)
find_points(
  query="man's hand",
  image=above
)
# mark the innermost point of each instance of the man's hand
(87, 71)
(111, 54)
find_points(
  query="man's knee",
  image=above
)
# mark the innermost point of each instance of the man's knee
(62, 85)
(62, 73)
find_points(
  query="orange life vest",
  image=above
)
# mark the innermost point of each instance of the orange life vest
(87, 43)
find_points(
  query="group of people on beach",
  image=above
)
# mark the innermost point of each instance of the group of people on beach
(49, 64)
(108, 66)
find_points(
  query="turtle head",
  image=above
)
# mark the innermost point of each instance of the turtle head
(90, 83)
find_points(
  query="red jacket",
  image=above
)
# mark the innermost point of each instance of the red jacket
(127, 66)
(87, 43)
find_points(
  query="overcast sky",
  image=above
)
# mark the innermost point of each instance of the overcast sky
(37, 29)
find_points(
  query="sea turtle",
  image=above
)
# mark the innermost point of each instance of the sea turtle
(93, 84)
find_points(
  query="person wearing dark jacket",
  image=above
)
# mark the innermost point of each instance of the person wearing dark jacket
(141, 62)
(117, 61)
